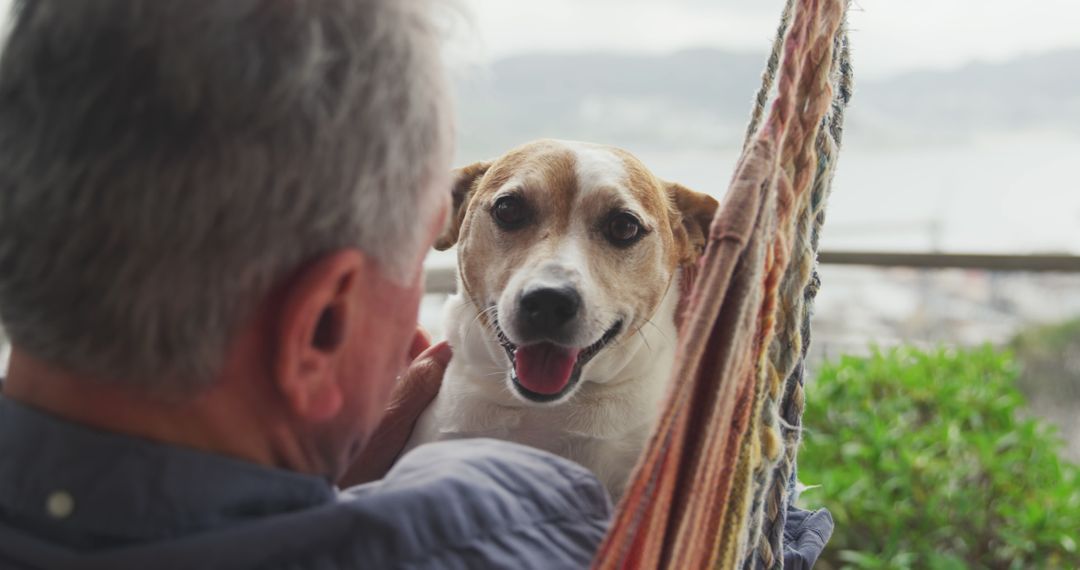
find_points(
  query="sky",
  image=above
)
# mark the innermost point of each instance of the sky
(889, 36)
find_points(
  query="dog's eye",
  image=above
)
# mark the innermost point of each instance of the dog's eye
(510, 212)
(624, 229)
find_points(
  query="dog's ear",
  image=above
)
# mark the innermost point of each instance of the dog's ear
(464, 182)
(696, 211)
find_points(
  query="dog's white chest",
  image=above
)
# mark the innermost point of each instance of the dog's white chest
(609, 455)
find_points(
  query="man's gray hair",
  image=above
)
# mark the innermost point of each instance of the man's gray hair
(165, 164)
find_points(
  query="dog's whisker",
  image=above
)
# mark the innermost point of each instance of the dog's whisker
(489, 310)
(645, 339)
(658, 329)
(486, 312)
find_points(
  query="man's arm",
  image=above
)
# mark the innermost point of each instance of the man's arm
(482, 503)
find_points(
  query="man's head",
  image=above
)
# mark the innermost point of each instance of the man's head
(173, 174)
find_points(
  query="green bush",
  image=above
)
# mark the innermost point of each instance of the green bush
(926, 462)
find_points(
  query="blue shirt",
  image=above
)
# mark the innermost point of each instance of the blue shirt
(73, 497)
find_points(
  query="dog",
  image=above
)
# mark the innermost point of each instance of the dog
(572, 262)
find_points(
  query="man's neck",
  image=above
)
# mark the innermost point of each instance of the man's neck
(208, 421)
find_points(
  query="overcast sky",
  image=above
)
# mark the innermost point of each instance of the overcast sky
(890, 35)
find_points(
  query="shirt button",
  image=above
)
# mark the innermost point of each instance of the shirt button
(60, 504)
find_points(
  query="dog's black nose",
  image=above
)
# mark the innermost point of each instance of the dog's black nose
(544, 311)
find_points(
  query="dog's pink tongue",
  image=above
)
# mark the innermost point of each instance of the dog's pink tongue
(544, 368)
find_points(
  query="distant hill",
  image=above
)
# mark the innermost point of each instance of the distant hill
(1040, 91)
(702, 98)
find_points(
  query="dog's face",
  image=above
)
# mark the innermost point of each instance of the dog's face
(567, 249)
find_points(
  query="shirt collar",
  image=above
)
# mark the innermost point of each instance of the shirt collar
(84, 485)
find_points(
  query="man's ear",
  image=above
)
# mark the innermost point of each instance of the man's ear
(319, 305)
(464, 182)
(696, 211)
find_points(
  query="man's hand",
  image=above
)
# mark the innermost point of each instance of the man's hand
(414, 391)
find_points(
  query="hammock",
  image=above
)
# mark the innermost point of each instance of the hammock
(713, 485)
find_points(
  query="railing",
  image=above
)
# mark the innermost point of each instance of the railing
(443, 279)
(985, 262)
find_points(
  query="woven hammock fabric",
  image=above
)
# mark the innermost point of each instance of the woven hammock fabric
(781, 412)
(696, 497)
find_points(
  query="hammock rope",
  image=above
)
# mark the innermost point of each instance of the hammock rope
(774, 488)
(712, 486)
(791, 406)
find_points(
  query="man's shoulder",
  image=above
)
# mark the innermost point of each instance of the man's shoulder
(484, 503)
(491, 466)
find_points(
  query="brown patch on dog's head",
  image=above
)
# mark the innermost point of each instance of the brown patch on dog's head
(464, 182)
(695, 214)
